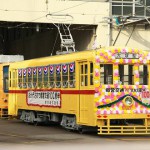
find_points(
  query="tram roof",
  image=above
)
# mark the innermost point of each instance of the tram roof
(66, 58)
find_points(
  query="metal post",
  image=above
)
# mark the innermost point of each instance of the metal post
(110, 24)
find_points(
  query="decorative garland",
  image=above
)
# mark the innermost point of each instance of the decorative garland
(120, 99)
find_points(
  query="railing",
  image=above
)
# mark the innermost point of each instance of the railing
(124, 130)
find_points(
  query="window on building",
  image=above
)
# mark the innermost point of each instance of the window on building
(130, 8)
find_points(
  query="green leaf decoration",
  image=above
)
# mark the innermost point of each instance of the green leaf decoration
(120, 99)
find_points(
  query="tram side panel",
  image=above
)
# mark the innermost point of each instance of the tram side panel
(77, 101)
(31, 99)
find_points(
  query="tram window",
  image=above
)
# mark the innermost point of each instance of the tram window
(65, 75)
(106, 74)
(81, 69)
(126, 76)
(51, 76)
(20, 78)
(5, 84)
(24, 78)
(45, 78)
(40, 73)
(72, 75)
(84, 75)
(5, 77)
(34, 71)
(29, 78)
(58, 76)
(91, 73)
(143, 72)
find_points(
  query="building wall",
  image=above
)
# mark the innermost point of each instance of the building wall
(82, 12)
(139, 39)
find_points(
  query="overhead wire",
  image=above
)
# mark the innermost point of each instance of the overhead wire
(51, 13)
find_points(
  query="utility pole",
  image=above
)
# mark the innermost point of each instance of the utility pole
(110, 24)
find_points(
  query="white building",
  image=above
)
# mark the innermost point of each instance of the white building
(27, 26)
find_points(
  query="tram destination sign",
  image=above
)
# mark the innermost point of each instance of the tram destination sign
(126, 56)
(44, 98)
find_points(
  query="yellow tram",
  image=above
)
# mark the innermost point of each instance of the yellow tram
(107, 89)
(5, 60)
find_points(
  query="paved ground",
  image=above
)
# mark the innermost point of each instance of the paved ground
(21, 136)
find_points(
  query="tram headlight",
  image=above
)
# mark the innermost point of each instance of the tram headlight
(128, 101)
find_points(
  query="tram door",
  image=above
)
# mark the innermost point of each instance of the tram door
(85, 86)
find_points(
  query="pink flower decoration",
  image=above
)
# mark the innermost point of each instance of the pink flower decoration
(129, 60)
(107, 96)
(137, 75)
(116, 50)
(133, 51)
(122, 94)
(130, 86)
(96, 73)
(115, 85)
(136, 104)
(101, 54)
(105, 112)
(108, 86)
(117, 112)
(103, 101)
(116, 74)
(118, 96)
(146, 111)
(123, 50)
(98, 60)
(98, 112)
(117, 104)
(143, 87)
(112, 97)
(130, 93)
(97, 104)
(96, 90)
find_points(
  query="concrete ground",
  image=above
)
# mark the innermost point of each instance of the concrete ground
(21, 136)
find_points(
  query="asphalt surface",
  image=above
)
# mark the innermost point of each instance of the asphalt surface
(17, 135)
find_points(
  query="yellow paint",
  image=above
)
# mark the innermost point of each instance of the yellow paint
(80, 105)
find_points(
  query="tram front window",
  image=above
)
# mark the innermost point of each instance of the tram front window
(126, 76)
(143, 74)
(106, 74)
